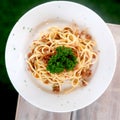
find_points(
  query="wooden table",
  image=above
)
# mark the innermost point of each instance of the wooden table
(107, 107)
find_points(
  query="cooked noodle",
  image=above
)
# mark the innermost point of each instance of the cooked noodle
(83, 46)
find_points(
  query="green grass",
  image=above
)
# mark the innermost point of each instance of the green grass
(12, 10)
(107, 9)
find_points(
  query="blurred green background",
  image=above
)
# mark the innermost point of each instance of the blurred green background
(10, 12)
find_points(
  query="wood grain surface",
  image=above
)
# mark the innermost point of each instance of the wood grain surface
(107, 107)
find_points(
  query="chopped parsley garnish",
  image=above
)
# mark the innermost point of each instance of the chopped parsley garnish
(64, 59)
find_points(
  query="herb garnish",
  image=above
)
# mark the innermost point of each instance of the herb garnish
(64, 59)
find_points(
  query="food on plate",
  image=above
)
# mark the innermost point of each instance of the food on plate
(63, 57)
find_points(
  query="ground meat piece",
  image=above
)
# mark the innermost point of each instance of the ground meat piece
(46, 57)
(86, 73)
(56, 88)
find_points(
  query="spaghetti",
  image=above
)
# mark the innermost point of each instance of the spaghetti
(83, 47)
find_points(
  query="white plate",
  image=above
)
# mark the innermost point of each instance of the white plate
(27, 29)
